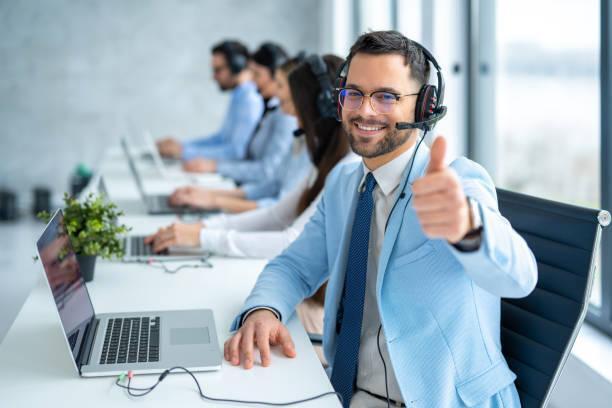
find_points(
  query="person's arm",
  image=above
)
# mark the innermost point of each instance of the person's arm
(235, 192)
(503, 264)
(298, 272)
(495, 257)
(195, 148)
(232, 140)
(233, 204)
(268, 240)
(266, 188)
(267, 202)
(277, 133)
(274, 218)
(295, 274)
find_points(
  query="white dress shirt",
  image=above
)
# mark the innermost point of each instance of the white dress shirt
(264, 232)
(261, 233)
(370, 374)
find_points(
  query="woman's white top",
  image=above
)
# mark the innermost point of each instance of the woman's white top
(264, 232)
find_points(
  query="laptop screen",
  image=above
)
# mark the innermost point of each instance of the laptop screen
(66, 283)
(132, 165)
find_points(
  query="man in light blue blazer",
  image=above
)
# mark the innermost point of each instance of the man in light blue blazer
(416, 254)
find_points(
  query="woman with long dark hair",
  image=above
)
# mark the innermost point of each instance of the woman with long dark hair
(264, 233)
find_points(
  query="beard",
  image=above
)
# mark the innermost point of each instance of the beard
(225, 87)
(390, 141)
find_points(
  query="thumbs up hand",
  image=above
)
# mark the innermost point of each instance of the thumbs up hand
(439, 201)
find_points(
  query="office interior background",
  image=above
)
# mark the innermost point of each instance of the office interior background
(527, 86)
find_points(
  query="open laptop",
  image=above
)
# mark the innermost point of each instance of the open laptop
(174, 171)
(168, 170)
(156, 203)
(150, 151)
(135, 249)
(110, 344)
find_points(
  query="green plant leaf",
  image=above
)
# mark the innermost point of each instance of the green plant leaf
(92, 227)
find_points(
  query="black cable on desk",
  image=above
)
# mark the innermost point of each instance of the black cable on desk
(146, 390)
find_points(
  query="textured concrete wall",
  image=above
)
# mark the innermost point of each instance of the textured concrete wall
(72, 72)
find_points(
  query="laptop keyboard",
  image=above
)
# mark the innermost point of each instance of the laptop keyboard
(160, 203)
(138, 247)
(131, 340)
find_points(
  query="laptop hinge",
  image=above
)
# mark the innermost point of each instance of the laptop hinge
(88, 342)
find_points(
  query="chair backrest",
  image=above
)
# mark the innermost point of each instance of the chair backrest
(537, 332)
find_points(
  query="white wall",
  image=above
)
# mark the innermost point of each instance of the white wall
(72, 72)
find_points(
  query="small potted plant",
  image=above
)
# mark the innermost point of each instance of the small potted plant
(93, 230)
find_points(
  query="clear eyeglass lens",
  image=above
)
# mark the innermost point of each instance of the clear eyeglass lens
(382, 102)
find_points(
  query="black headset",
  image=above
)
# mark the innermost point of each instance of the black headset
(325, 99)
(236, 61)
(275, 52)
(429, 109)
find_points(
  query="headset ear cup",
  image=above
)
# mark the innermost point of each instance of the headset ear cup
(238, 63)
(426, 103)
(340, 82)
(336, 99)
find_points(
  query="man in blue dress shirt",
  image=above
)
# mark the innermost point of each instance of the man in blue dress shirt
(230, 70)
(415, 252)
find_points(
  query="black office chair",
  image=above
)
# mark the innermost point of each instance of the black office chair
(538, 331)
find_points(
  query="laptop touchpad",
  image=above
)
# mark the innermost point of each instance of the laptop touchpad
(191, 335)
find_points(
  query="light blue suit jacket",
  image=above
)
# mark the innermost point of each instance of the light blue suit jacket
(266, 151)
(440, 308)
(296, 166)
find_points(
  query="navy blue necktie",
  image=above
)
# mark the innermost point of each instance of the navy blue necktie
(347, 345)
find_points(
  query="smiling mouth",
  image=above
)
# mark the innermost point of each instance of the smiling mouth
(368, 129)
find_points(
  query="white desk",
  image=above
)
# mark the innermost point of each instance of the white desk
(35, 368)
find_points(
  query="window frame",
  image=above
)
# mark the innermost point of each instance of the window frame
(481, 28)
(601, 317)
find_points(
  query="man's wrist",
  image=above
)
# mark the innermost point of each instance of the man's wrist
(249, 312)
(473, 238)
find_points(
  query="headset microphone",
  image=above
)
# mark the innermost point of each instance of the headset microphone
(425, 124)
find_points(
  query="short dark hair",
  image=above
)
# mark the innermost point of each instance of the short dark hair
(270, 55)
(231, 48)
(393, 42)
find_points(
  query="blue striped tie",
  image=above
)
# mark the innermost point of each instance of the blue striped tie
(347, 346)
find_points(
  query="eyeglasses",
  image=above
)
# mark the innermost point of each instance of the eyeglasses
(382, 102)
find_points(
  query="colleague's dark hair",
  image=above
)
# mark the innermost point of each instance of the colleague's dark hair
(290, 65)
(270, 55)
(325, 138)
(393, 42)
(231, 51)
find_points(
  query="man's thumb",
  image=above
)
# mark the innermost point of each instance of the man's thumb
(438, 152)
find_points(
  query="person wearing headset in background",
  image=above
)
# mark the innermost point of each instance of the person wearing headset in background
(265, 233)
(230, 71)
(293, 170)
(260, 173)
(416, 253)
